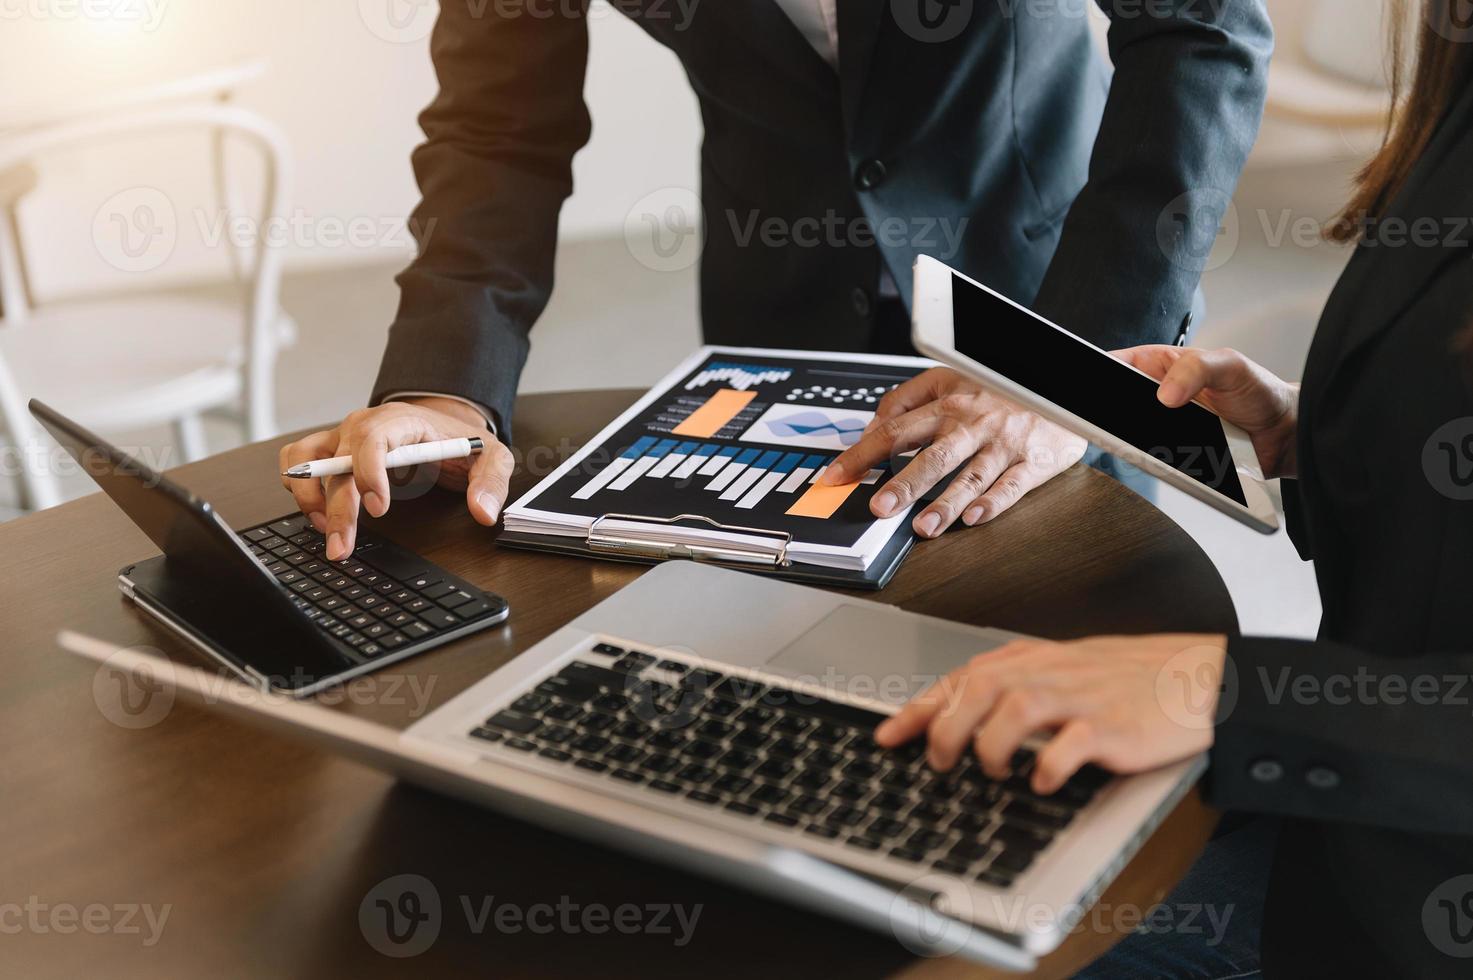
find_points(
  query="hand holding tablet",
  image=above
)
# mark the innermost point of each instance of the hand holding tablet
(1108, 401)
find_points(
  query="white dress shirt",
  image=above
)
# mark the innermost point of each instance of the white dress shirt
(817, 21)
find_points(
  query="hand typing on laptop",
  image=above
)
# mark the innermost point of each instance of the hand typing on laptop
(368, 435)
(1002, 451)
(1126, 703)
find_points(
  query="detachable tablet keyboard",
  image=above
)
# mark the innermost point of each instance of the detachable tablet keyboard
(381, 600)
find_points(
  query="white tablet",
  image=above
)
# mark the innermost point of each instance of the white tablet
(1075, 384)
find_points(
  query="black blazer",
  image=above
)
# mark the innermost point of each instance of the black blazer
(1372, 760)
(986, 119)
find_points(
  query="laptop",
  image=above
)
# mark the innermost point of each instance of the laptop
(266, 601)
(721, 721)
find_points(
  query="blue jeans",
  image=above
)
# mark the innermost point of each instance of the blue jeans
(1209, 927)
(1130, 476)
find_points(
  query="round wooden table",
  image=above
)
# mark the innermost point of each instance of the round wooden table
(263, 850)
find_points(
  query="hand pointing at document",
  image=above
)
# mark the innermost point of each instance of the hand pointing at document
(1002, 450)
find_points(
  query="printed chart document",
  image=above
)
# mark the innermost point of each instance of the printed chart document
(737, 436)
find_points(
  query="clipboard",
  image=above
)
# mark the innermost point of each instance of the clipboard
(616, 537)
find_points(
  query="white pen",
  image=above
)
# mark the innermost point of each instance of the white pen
(424, 452)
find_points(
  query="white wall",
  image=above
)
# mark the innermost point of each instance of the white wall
(346, 81)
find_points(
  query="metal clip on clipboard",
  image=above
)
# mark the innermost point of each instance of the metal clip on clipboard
(601, 538)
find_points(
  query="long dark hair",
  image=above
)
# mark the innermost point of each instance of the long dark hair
(1444, 67)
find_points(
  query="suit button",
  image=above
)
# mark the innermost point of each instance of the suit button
(871, 174)
(1322, 777)
(860, 300)
(1266, 770)
(1186, 329)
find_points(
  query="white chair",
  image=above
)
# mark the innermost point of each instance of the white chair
(137, 360)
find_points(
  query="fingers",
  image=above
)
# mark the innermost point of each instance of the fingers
(1063, 756)
(975, 479)
(896, 435)
(946, 696)
(342, 516)
(490, 482)
(308, 493)
(911, 395)
(916, 716)
(1153, 359)
(951, 729)
(368, 435)
(1004, 492)
(1019, 714)
(929, 467)
(1196, 370)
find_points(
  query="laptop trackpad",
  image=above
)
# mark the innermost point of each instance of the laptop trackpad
(881, 653)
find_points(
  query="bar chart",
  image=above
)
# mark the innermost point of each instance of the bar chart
(724, 414)
(742, 478)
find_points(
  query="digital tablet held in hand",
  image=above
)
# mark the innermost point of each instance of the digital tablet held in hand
(1075, 384)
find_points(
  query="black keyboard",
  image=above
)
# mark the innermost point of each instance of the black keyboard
(381, 600)
(786, 758)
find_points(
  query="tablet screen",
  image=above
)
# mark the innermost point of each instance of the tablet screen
(1094, 386)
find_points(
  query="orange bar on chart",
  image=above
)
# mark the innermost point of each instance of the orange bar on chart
(821, 501)
(719, 409)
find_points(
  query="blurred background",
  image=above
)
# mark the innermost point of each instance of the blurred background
(203, 205)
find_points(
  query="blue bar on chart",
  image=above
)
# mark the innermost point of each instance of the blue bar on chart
(673, 460)
(733, 469)
(697, 459)
(769, 480)
(718, 461)
(803, 473)
(753, 473)
(643, 465)
(615, 467)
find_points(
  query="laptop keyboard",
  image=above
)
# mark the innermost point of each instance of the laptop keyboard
(377, 601)
(785, 758)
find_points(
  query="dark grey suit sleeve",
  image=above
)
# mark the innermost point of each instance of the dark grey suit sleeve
(1321, 731)
(1183, 111)
(493, 172)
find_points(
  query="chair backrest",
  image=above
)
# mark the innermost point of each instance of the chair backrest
(262, 273)
(21, 154)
